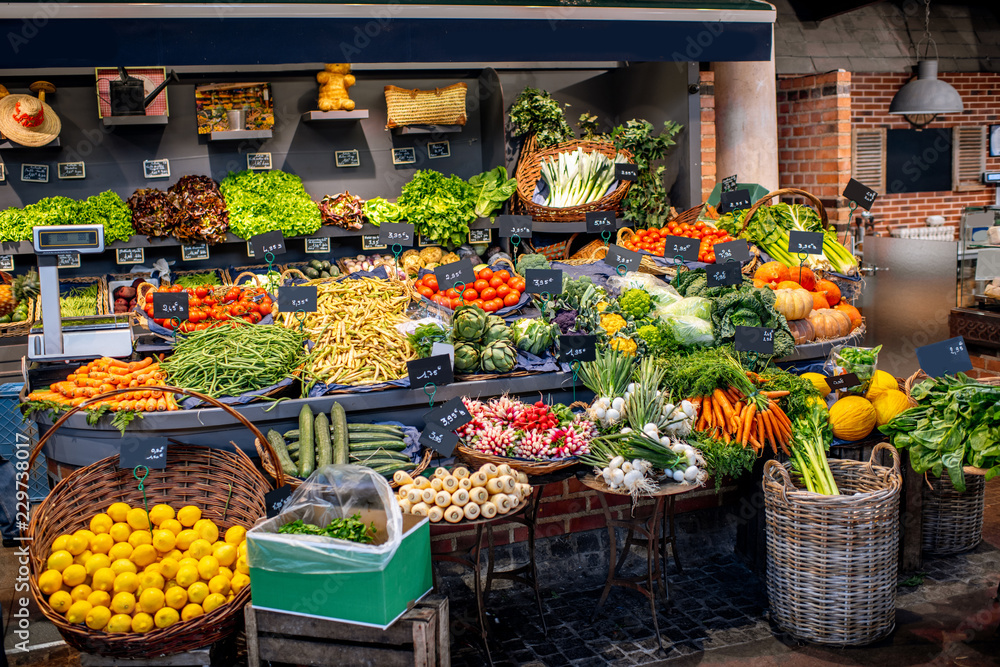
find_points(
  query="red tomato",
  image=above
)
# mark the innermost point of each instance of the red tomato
(424, 290)
(503, 274)
(711, 258)
(684, 227)
(502, 291)
(496, 282)
(489, 306)
(488, 294)
(512, 298)
(478, 302)
(451, 293)
(485, 274)
(498, 302)
(516, 284)
(699, 225)
(431, 281)
(480, 285)
(470, 295)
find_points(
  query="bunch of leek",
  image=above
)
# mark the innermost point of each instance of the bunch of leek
(810, 436)
(575, 178)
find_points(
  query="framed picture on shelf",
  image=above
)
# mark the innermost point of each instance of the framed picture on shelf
(994, 139)
(234, 106)
(151, 77)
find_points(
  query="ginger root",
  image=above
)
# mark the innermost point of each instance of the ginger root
(334, 81)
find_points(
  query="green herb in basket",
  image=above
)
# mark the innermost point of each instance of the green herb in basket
(79, 301)
(351, 528)
(205, 279)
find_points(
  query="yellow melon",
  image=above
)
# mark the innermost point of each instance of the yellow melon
(880, 382)
(819, 381)
(888, 404)
(852, 418)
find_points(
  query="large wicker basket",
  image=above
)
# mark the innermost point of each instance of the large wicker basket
(832, 560)
(441, 106)
(226, 487)
(529, 169)
(952, 520)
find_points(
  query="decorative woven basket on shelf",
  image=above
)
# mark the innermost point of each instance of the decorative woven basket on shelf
(226, 487)
(529, 169)
(477, 459)
(596, 251)
(832, 560)
(441, 106)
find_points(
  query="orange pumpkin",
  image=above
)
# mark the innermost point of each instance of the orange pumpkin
(830, 323)
(802, 331)
(804, 276)
(788, 284)
(831, 289)
(771, 272)
(758, 283)
(819, 300)
(853, 313)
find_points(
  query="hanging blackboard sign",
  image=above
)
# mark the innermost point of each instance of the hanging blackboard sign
(348, 158)
(406, 155)
(438, 149)
(317, 245)
(130, 255)
(71, 170)
(193, 252)
(34, 173)
(156, 168)
(258, 161)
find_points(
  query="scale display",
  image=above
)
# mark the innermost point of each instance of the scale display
(79, 238)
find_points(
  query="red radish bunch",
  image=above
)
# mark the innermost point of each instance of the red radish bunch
(508, 427)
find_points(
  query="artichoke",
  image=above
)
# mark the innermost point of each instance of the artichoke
(532, 336)
(496, 329)
(466, 358)
(497, 357)
(469, 324)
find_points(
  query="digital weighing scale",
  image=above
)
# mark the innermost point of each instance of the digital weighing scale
(77, 342)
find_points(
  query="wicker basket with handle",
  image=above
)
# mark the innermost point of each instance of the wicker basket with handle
(780, 193)
(225, 486)
(832, 560)
(441, 106)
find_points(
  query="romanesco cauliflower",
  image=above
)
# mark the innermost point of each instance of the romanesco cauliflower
(636, 303)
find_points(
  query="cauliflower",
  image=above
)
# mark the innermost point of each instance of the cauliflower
(612, 322)
(636, 303)
(626, 345)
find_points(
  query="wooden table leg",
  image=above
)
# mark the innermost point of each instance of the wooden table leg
(612, 555)
(250, 618)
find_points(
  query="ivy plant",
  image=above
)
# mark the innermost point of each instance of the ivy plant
(647, 203)
(537, 112)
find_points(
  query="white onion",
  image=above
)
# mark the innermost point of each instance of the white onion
(616, 462)
(668, 409)
(631, 387)
(678, 475)
(691, 458)
(678, 448)
(606, 474)
(665, 440)
(688, 408)
(618, 404)
(627, 466)
(617, 477)
(691, 473)
(613, 415)
(632, 479)
(626, 430)
(600, 413)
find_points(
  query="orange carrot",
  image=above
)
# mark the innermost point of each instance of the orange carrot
(727, 409)
(775, 394)
(768, 434)
(751, 410)
(141, 364)
(161, 404)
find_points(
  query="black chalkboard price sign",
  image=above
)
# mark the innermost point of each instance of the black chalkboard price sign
(860, 193)
(438, 149)
(441, 441)
(727, 273)
(372, 242)
(736, 200)
(436, 369)
(156, 168)
(130, 255)
(348, 158)
(480, 235)
(600, 221)
(626, 171)
(68, 260)
(150, 452)
(944, 358)
(539, 281)
(619, 256)
(404, 155)
(6, 262)
(295, 298)
(729, 183)
(450, 416)
(393, 233)
(754, 339)
(318, 245)
(578, 348)
(681, 246)
(258, 161)
(275, 501)
(170, 305)
(732, 251)
(461, 271)
(268, 242)
(514, 225)
(845, 381)
(805, 243)
(197, 251)
(34, 173)
(71, 170)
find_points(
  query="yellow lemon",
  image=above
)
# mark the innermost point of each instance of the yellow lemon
(198, 591)
(98, 617)
(151, 600)
(142, 623)
(242, 549)
(126, 582)
(118, 511)
(104, 579)
(219, 584)
(82, 558)
(173, 525)
(151, 580)
(143, 555)
(78, 612)
(226, 553)
(185, 538)
(81, 592)
(208, 567)
(61, 601)
(226, 572)
(121, 551)
(235, 535)
(59, 560)
(818, 381)
(213, 601)
(200, 548)
(187, 560)
(168, 568)
(188, 515)
(97, 562)
(101, 523)
(242, 566)
(161, 513)
(99, 599)
(101, 543)
(207, 529)
(59, 544)
(119, 623)
(123, 603)
(152, 567)
(120, 532)
(239, 582)
(166, 617)
(186, 575)
(191, 611)
(140, 537)
(173, 554)
(74, 575)
(137, 519)
(50, 581)
(83, 532)
(164, 540)
(123, 565)
(175, 597)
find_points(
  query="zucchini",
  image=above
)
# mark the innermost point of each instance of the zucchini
(324, 449)
(370, 456)
(338, 420)
(307, 452)
(375, 428)
(292, 435)
(284, 460)
(293, 447)
(391, 445)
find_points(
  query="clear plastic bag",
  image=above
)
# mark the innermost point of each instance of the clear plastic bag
(692, 306)
(663, 293)
(691, 330)
(862, 361)
(332, 492)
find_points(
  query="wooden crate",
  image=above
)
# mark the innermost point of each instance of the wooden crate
(196, 658)
(419, 639)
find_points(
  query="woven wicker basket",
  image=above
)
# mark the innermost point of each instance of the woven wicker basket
(441, 106)
(555, 252)
(952, 520)
(592, 254)
(780, 193)
(477, 459)
(225, 486)
(14, 329)
(832, 560)
(529, 169)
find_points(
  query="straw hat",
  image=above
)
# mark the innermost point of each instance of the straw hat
(28, 120)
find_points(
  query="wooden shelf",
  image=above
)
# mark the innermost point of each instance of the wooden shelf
(134, 120)
(233, 135)
(341, 116)
(10, 145)
(427, 129)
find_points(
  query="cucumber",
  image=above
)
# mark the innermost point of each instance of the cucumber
(284, 460)
(291, 435)
(375, 445)
(389, 469)
(373, 437)
(293, 447)
(307, 452)
(324, 448)
(372, 456)
(338, 420)
(375, 428)
(375, 463)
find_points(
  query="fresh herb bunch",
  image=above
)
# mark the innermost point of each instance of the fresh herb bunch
(536, 112)
(723, 459)
(802, 394)
(423, 338)
(263, 201)
(647, 203)
(351, 528)
(439, 207)
(701, 371)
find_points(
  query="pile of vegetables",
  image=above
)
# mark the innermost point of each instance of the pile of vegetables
(362, 262)
(751, 307)
(264, 201)
(647, 203)
(460, 494)
(154, 213)
(105, 209)
(79, 301)
(210, 307)
(536, 113)
(344, 210)
(653, 240)
(440, 207)
(575, 178)
(351, 529)
(491, 291)
(106, 374)
(317, 268)
(482, 342)
(201, 215)
(507, 427)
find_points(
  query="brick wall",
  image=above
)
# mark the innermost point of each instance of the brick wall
(871, 94)
(708, 175)
(814, 137)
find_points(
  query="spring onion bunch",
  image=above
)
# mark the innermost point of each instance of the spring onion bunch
(809, 444)
(575, 178)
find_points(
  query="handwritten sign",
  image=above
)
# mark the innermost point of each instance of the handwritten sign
(130, 255)
(150, 452)
(860, 193)
(3, 173)
(619, 256)
(601, 221)
(450, 416)
(156, 168)
(515, 225)
(461, 271)
(845, 381)
(944, 358)
(268, 242)
(372, 242)
(729, 183)
(441, 441)
(480, 235)
(424, 242)
(258, 161)
(681, 246)
(170, 305)
(578, 348)
(392, 233)
(404, 155)
(275, 501)
(809, 243)
(68, 260)
(728, 273)
(732, 251)
(626, 171)
(438, 149)
(539, 281)
(317, 245)
(190, 253)
(736, 200)
(6, 262)
(71, 170)
(347, 158)
(294, 299)
(34, 173)
(755, 339)
(436, 370)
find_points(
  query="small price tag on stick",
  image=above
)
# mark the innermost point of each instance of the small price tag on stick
(944, 358)
(578, 348)
(619, 256)
(268, 242)
(845, 381)
(805, 243)
(170, 305)
(293, 299)
(450, 416)
(728, 273)
(515, 225)
(441, 441)
(860, 194)
(600, 221)
(685, 248)
(755, 339)
(436, 370)
(275, 501)
(736, 200)
(392, 233)
(539, 281)
(461, 271)
(149, 452)
(732, 251)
